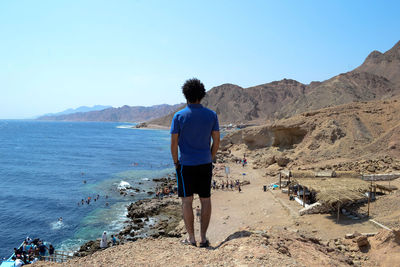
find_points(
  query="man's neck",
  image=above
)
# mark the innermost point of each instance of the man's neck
(190, 103)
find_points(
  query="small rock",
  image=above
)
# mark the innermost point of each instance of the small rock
(282, 161)
(349, 236)
(362, 241)
(284, 250)
(330, 249)
(371, 168)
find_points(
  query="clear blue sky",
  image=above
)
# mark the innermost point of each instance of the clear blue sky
(59, 54)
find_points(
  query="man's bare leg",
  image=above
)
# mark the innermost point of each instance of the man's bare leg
(188, 218)
(205, 217)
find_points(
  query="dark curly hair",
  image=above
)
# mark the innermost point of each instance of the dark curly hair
(193, 89)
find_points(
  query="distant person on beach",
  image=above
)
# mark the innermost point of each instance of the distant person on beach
(114, 240)
(244, 161)
(17, 262)
(30, 251)
(28, 240)
(42, 249)
(24, 246)
(17, 251)
(51, 250)
(103, 241)
(192, 129)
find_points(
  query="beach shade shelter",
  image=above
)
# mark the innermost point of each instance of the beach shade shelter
(335, 192)
(380, 178)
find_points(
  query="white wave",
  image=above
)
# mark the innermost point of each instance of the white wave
(71, 244)
(145, 179)
(57, 225)
(124, 185)
(125, 126)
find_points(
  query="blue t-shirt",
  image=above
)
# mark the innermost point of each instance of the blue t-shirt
(194, 125)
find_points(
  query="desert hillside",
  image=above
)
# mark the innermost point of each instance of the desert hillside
(361, 130)
(377, 78)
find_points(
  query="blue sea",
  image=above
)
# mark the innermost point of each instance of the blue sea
(46, 168)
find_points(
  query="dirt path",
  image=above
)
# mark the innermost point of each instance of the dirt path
(252, 208)
(255, 209)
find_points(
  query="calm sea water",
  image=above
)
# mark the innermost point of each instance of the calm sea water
(43, 166)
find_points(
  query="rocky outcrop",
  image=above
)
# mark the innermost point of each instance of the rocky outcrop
(158, 216)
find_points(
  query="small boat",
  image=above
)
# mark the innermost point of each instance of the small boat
(11, 263)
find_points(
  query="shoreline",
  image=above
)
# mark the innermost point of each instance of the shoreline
(154, 217)
(148, 217)
(146, 126)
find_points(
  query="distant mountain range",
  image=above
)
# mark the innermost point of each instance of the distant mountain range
(121, 114)
(377, 78)
(76, 110)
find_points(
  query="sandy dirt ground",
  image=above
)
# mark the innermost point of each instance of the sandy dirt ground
(254, 208)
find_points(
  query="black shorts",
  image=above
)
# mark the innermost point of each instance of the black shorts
(194, 180)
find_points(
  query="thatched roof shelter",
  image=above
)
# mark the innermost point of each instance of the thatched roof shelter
(334, 191)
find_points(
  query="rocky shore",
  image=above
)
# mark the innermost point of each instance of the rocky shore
(153, 217)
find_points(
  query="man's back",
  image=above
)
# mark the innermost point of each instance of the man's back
(194, 125)
(192, 130)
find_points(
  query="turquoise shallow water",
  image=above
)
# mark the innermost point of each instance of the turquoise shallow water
(42, 169)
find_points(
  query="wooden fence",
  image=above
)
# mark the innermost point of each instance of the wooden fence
(58, 256)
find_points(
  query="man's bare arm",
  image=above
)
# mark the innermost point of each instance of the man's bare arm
(215, 145)
(174, 147)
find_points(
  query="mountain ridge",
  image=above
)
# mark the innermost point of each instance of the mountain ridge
(77, 110)
(378, 77)
(121, 114)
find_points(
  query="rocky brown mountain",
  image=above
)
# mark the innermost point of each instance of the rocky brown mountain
(121, 114)
(377, 78)
(386, 65)
(345, 133)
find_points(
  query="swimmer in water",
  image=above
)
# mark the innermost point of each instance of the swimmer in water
(60, 219)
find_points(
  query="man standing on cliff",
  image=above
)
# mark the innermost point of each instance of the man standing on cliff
(192, 129)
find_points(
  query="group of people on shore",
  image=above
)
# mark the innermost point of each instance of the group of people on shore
(31, 251)
(242, 161)
(103, 240)
(228, 185)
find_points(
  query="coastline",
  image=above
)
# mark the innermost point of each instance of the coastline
(161, 217)
(148, 217)
(146, 126)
